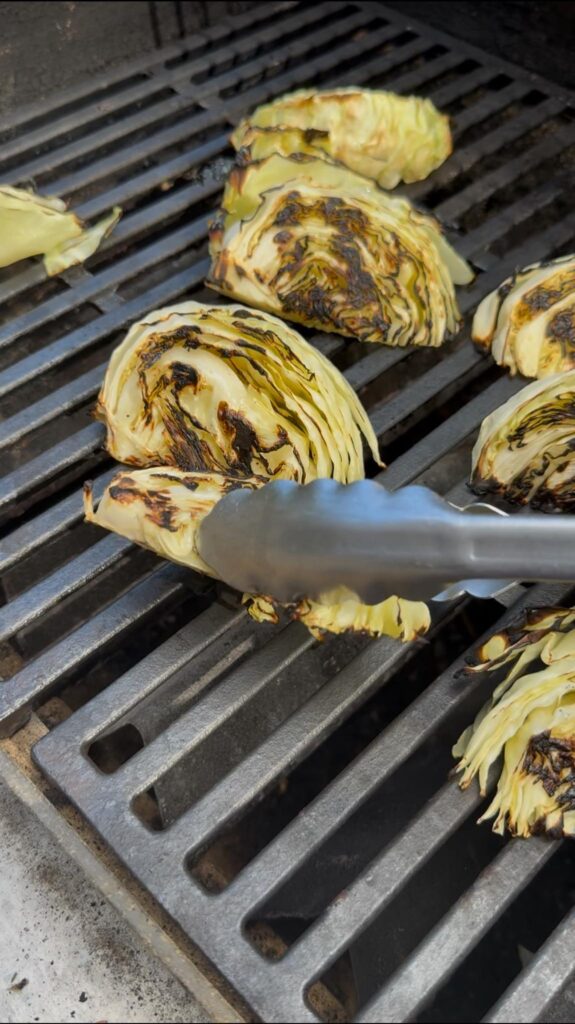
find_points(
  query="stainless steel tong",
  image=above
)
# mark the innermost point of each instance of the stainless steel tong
(293, 541)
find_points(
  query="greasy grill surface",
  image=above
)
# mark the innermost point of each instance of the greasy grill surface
(289, 810)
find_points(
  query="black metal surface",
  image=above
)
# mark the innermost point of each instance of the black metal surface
(246, 774)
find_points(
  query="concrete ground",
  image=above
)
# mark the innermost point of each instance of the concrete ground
(65, 953)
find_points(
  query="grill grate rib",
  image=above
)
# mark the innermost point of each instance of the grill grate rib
(228, 711)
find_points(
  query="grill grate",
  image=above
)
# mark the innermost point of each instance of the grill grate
(229, 765)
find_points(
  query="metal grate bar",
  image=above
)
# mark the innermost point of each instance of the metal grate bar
(28, 538)
(377, 66)
(28, 607)
(52, 406)
(83, 338)
(35, 681)
(529, 998)
(21, 281)
(417, 724)
(463, 85)
(247, 683)
(481, 112)
(335, 29)
(301, 76)
(371, 366)
(388, 413)
(157, 78)
(460, 930)
(38, 471)
(471, 196)
(239, 789)
(469, 156)
(397, 865)
(93, 285)
(420, 78)
(447, 436)
(150, 118)
(494, 228)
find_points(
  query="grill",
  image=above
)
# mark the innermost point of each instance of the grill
(283, 804)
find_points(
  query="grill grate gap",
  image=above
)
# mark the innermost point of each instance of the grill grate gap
(500, 117)
(253, 721)
(32, 341)
(72, 107)
(381, 80)
(503, 155)
(215, 867)
(469, 99)
(315, 76)
(447, 77)
(100, 670)
(509, 946)
(391, 939)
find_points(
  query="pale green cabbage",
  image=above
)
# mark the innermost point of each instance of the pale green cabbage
(528, 323)
(32, 225)
(381, 135)
(525, 451)
(325, 247)
(528, 726)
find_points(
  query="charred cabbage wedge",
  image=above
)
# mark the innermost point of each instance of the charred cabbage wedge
(381, 135)
(325, 247)
(525, 451)
(161, 508)
(528, 323)
(32, 225)
(530, 724)
(215, 397)
(230, 390)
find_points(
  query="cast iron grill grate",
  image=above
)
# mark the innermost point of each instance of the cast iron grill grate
(289, 811)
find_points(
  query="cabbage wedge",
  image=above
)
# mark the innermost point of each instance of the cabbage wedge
(161, 508)
(529, 724)
(226, 389)
(528, 323)
(381, 135)
(32, 225)
(525, 452)
(208, 398)
(404, 620)
(324, 247)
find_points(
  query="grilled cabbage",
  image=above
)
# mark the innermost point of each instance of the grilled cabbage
(328, 249)
(381, 135)
(32, 225)
(525, 451)
(217, 397)
(395, 617)
(229, 390)
(161, 508)
(528, 323)
(530, 722)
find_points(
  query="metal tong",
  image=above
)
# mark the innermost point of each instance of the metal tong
(292, 541)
